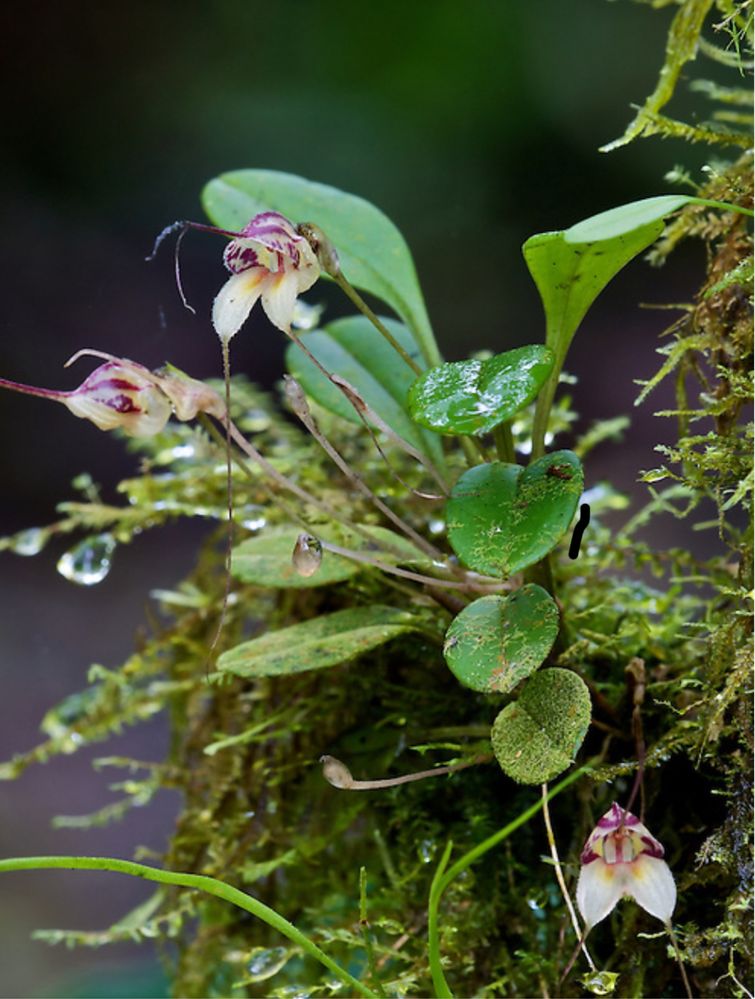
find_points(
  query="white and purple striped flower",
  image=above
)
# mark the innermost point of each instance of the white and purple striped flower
(268, 260)
(621, 858)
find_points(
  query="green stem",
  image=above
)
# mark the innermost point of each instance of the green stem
(201, 883)
(504, 443)
(443, 878)
(545, 402)
(727, 206)
(364, 308)
(442, 991)
(470, 451)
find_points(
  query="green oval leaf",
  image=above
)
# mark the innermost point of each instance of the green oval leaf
(572, 267)
(473, 397)
(537, 737)
(571, 275)
(502, 518)
(265, 560)
(318, 643)
(373, 253)
(353, 349)
(495, 642)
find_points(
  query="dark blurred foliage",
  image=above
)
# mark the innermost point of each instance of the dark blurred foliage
(471, 125)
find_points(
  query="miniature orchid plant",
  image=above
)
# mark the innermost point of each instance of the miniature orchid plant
(508, 504)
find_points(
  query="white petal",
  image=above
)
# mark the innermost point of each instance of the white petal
(279, 298)
(651, 883)
(308, 270)
(599, 888)
(235, 300)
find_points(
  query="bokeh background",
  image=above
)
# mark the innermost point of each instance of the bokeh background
(471, 125)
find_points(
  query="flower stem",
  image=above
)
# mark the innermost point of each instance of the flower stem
(682, 969)
(364, 308)
(301, 408)
(32, 390)
(560, 878)
(201, 883)
(285, 483)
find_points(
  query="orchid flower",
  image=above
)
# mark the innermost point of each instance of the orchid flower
(268, 260)
(621, 858)
(122, 393)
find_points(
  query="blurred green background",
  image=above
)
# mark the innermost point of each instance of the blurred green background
(471, 125)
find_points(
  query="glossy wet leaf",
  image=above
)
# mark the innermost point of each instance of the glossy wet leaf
(473, 397)
(496, 642)
(318, 643)
(502, 518)
(537, 737)
(353, 349)
(373, 253)
(265, 560)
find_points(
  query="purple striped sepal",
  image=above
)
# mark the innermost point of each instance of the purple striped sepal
(268, 260)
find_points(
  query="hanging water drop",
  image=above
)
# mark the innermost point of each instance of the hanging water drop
(307, 555)
(266, 961)
(90, 561)
(29, 542)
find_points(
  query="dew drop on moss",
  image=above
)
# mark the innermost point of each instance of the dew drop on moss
(30, 542)
(89, 562)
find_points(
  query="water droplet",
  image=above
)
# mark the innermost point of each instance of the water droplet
(427, 850)
(266, 962)
(307, 555)
(29, 542)
(89, 562)
(436, 526)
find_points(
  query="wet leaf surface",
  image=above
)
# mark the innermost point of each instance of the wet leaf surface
(503, 518)
(495, 642)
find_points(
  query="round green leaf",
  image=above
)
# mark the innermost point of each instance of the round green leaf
(473, 397)
(537, 737)
(497, 641)
(502, 518)
(317, 643)
(265, 560)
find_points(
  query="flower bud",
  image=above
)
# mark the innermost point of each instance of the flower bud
(120, 394)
